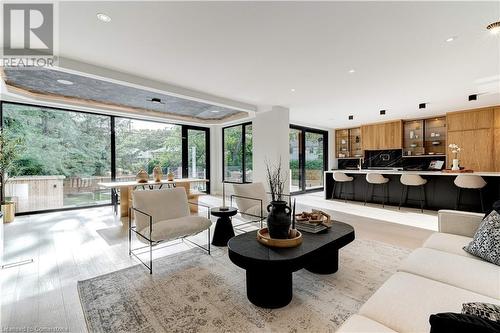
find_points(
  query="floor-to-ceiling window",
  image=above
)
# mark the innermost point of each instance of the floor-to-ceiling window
(145, 144)
(308, 158)
(237, 153)
(67, 153)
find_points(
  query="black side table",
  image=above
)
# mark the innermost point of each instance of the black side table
(224, 228)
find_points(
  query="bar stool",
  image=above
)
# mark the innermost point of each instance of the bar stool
(469, 182)
(412, 180)
(340, 177)
(373, 179)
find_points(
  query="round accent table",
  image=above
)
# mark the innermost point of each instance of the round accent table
(224, 228)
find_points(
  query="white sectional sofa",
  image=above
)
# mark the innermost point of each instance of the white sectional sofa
(438, 277)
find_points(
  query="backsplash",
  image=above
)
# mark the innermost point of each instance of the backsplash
(388, 158)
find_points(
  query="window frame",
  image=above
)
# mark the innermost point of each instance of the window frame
(112, 134)
(302, 157)
(243, 154)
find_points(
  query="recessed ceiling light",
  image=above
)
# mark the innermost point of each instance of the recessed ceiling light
(352, 71)
(292, 90)
(422, 105)
(351, 117)
(473, 97)
(155, 100)
(215, 111)
(451, 39)
(66, 82)
(382, 112)
(103, 17)
(494, 28)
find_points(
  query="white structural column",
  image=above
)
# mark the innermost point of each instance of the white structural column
(271, 142)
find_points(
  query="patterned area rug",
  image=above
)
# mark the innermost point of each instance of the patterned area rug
(195, 292)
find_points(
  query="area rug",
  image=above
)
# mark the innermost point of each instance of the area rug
(195, 292)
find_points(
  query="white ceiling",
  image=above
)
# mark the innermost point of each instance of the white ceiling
(256, 52)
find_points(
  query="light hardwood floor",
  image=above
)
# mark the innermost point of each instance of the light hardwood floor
(75, 245)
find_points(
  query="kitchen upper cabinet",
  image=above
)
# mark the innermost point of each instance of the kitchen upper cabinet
(470, 120)
(387, 135)
(477, 147)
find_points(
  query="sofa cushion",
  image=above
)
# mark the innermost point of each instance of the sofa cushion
(475, 275)
(461, 323)
(172, 229)
(449, 243)
(483, 310)
(357, 323)
(405, 302)
(486, 241)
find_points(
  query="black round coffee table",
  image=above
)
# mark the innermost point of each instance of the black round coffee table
(223, 228)
(269, 270)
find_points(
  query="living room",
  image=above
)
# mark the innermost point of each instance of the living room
(250, 166)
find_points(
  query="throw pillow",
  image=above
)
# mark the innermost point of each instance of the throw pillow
(486, 241)
(461, 323)
(483, 310)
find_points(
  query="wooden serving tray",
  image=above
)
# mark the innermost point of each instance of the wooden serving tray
(294, 240)
(457, 171)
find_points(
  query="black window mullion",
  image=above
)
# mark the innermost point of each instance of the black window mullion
(243, 148)
(185, 152)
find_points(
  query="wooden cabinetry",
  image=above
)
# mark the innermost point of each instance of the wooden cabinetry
(470, 120)
(348, 143)
(474, 131)
(496, 138)
(382, 135)
(424, 136)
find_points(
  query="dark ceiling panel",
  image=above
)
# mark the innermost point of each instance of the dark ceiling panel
(44, 81)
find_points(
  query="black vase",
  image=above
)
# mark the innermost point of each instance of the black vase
(278, 219)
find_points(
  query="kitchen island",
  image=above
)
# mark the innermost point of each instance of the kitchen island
(440, 191)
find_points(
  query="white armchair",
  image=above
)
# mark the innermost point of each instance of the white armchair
(164, 215)
(252, 200)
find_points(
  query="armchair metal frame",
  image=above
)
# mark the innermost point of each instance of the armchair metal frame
(133, 228)
(261, 218)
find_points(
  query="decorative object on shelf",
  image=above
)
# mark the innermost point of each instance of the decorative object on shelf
(170, 176)
(357, 139)
(413, 145)
(157, 173)
(294, 239)
(343, 141)
(9, 151)
(142, 176)
(278, 219)
(412, 134)
(455, 149)
(436, 143)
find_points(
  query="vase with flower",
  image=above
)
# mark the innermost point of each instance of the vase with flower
(455, 149)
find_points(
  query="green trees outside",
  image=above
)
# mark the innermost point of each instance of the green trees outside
(73, 144)
(58, 142)
(235, 152)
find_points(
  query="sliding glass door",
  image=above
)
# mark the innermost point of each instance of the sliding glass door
(67, 153)
(308, 158)
(196, 155)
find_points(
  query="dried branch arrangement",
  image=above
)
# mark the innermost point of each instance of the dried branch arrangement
(276, 180)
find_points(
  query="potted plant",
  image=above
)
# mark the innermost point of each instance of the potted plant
(455, 149)
(278, 219)
(9, 151)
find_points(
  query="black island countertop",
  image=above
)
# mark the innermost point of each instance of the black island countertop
(440, 191)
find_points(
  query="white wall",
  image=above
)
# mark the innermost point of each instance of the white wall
(270, 142)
